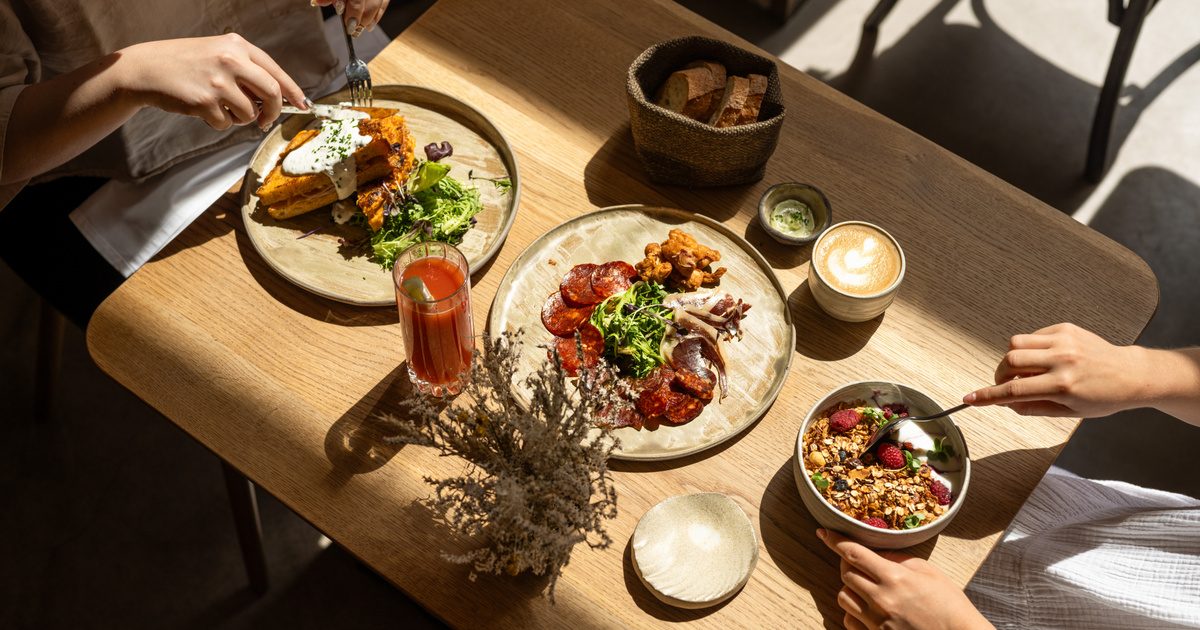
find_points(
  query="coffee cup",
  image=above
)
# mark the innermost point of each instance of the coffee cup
(855, 271)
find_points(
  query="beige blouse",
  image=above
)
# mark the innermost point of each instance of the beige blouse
(40, 39)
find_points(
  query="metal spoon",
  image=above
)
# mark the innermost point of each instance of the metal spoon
(886, 427)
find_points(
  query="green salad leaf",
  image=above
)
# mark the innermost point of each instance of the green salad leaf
(820, 482)
(633, 324)
(440, 204)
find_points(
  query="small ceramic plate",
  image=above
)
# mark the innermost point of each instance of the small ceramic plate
(694, 550)
(317, 262)
(757, 364)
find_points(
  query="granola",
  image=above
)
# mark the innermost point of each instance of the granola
(858, 483)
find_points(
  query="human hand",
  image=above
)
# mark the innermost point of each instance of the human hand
(358, 15)
(895, 591)
(216, 79)
(1064, 370)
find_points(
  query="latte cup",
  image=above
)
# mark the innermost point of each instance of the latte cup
(855, 271)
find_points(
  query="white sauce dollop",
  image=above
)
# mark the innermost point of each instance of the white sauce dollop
(331, 152)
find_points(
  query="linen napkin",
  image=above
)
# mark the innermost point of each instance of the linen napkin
(130, 222)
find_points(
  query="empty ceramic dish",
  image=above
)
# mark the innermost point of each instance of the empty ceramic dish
(694, 550)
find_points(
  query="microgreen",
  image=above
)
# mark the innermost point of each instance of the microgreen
(820, 482)
(443, 204)
(912, 520)
(911, 462)
(633, 324)
(876, 414)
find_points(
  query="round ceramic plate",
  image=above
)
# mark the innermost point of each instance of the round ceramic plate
(317, 262)
(757, 364)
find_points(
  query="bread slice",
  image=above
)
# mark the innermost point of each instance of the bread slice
(758, 88)
(691, 91)
(737, 89)
(701, 109)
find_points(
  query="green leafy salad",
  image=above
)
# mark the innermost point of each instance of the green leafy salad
(434, 207)
(633, 324)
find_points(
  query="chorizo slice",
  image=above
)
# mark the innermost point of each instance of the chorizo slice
(612, 278)
(562, 320)
(576, 286)
(593, 346)
(682, 408)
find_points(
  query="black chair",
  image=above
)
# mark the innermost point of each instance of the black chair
(1129, 16)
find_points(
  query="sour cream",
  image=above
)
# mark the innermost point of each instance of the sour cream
(331, 152)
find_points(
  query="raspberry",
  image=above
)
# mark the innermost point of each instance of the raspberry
(940, 491)
(890, 455)
(875, 521)
(844, 420)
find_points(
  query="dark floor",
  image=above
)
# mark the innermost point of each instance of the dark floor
(113, 518)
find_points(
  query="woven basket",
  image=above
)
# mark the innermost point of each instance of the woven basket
(677, 150)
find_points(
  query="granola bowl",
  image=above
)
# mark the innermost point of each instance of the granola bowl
(895, 496)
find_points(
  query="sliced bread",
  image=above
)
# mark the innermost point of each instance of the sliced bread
(729, 110)
(688, 91)
(758, 88)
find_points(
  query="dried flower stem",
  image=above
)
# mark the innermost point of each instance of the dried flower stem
(536, 484)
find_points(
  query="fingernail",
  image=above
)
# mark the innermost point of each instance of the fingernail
(821, 534)
(312, 3)
(969, 398)
(307, 104)
(351, 25)
(339, 6)
(265, 128)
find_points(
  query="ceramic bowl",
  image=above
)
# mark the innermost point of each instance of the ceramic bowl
(832, 518)
(847, 306)
(805, 193)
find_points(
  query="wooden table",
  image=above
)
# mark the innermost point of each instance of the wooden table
(284, 385)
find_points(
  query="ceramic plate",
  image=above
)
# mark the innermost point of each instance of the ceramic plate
(757, 364)
(317, 263)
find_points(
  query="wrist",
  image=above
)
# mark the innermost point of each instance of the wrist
(128, 83)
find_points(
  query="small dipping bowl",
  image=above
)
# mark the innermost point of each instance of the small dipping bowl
(818, 205)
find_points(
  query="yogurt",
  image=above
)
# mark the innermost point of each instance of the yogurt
(331, 152)
(947, 469)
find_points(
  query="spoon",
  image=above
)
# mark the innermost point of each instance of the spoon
(886, 427)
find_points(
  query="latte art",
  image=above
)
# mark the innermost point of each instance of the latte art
(857, 259)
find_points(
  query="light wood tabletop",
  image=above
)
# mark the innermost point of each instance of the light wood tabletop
(285, 385)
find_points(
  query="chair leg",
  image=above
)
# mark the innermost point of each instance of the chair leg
(244, 504)
(51, 325)
(878, 14)
(1132, 19)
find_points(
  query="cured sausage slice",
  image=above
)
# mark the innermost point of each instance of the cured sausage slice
(653, 402)
(612, 278)
(625, 416)
(593, 347)
(695, 383)
(576, 286)
(682, 409)
(562, 320)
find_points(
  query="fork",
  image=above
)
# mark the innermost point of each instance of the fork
(357, 77)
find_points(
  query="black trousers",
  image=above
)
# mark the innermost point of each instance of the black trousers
(41, 244)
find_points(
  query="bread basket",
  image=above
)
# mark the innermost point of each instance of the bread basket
(677, 150)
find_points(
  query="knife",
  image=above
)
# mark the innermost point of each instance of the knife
(321, 110)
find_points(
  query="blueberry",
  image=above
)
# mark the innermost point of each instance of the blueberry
(842, 454)
(841, 485)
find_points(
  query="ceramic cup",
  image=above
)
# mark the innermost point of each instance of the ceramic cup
(855, 271)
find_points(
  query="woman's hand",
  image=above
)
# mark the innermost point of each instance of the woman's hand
(1065, 370)
(358, 15)
(896, 591)
(217, 79)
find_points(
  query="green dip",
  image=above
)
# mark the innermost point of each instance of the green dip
(793, 218)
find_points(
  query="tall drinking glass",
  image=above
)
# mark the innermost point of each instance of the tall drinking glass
(433, 295)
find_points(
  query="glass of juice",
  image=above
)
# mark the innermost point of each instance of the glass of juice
(433, 295)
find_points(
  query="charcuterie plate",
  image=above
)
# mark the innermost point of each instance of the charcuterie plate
(756, 363)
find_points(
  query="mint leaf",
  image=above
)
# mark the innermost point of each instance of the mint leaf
(913, 463)
(820, 482)
(913, 520)
(876, 414)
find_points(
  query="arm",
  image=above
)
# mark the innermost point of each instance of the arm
(1065, 370)
(214, 78)
(897, 591)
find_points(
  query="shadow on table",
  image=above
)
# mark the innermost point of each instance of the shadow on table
(955, 83)
(837, 339)
(355, 444)
(650, 604)
(608, 175)
(304, 302)
(1005, 478)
